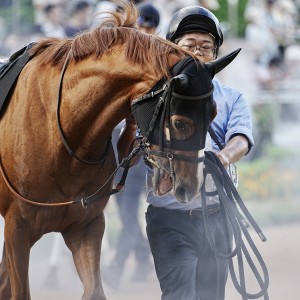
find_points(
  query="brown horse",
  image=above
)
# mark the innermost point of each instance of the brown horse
(55, 141)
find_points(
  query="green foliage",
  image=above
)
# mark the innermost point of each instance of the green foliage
(27, 11)
(273, 177)
(241, 13)
(270, 188)
(265, 116)
(18, 18)
(6, 15)
(222, 14)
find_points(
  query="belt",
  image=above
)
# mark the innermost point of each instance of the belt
(191, 214)
(198, 213)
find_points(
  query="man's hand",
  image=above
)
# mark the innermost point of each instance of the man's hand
(223, 159)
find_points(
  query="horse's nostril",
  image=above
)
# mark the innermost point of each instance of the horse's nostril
(181, 194)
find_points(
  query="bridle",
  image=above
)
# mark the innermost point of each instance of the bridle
(161, 116)
(167, 152)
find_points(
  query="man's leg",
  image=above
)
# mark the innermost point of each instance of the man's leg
(174, 255)
(212, 270)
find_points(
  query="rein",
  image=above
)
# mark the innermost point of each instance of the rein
(60, 130)
(85, 201)
(231, 204)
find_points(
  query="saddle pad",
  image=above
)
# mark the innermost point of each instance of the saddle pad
(10, 72)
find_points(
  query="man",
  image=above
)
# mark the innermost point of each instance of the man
(149, 18)
(53, 25)
(185, 264)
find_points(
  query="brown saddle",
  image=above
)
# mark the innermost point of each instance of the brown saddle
(9, 73)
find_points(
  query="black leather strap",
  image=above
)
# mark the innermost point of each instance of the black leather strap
(11, 72)
(215, 138)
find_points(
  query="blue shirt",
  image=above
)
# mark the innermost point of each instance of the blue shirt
(233, 117)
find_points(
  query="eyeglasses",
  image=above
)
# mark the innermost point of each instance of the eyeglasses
(205, 50)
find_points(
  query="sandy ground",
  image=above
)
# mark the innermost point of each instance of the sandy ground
(280, 252)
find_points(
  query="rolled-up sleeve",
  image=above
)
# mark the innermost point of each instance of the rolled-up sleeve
(233, 115)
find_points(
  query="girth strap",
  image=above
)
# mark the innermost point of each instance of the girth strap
(85, 201)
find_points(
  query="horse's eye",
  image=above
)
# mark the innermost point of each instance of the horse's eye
(180, 125)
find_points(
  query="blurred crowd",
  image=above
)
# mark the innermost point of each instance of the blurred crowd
(272, 29)
(60, 18)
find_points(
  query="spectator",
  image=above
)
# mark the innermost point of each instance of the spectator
(262, 43)
(149, 18)
(80, 19)
(53, 26)
(39, 6)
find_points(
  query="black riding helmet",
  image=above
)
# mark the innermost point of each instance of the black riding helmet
(195, 19)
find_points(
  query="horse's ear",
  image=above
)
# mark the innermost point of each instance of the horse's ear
(180, 83)
(219, 64)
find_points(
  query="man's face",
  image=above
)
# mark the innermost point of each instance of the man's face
(201, 44)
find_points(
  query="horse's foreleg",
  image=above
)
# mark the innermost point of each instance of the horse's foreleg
(85, 245)
(17, 249)
(5, 291)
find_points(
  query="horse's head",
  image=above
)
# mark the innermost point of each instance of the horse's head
(174, 123)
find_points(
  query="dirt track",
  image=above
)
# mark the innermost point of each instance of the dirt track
(281, 254)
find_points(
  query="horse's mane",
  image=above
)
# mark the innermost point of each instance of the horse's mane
(117, 29)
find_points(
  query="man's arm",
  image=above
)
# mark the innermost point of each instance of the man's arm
(234, 150)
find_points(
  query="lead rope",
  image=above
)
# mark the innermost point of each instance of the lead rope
(229, 200)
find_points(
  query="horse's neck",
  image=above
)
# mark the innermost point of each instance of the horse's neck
(96, 97)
